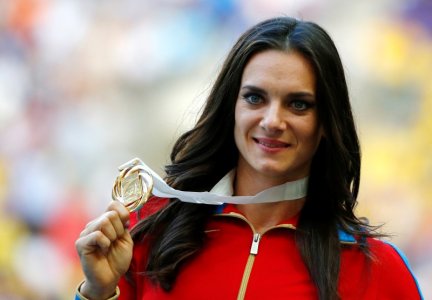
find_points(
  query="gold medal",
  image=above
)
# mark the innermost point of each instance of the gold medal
(133, 186)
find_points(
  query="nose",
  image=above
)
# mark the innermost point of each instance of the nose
(273, 118)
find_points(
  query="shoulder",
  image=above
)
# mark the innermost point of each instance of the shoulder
(383, 273)
(393, 269)
(387, 254)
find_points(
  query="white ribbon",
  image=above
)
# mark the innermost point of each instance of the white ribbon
(287, 191)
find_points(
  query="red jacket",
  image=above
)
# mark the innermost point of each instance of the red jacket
(236, 263)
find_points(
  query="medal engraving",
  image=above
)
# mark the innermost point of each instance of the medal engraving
(133, 186)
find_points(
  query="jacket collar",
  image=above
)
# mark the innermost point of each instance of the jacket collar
(225, 187)
(226, 209)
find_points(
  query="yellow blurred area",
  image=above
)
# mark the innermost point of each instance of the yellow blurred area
(398, 52)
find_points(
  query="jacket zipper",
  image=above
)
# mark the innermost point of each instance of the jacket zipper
(249, 264)
(253, 251)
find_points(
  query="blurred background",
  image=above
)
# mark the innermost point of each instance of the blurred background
(86, 85)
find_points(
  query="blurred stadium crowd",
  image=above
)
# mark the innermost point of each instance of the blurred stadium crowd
(86, 85)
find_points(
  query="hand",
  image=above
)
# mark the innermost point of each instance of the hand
(105, 250)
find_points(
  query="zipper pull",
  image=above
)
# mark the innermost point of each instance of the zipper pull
(255, 243)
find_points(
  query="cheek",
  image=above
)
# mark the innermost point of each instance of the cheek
(245, 119)
(239, 122)
(236, 134)
(237, 129)
(240, 135)
(243, 126)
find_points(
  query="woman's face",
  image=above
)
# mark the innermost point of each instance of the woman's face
(276, 130)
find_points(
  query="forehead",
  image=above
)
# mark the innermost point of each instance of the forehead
(274, 67)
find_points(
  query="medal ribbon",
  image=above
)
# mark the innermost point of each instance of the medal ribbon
(287, 191)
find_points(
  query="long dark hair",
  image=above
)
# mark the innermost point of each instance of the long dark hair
(201, 156)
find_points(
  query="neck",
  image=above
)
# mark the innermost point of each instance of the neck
(265, 215)
(246, 184)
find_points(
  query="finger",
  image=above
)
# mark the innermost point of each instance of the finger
(116, 222)
(94, 241)
(120, 209)
(107, 226)
(123, 215)
(109, 223)
(112, 226)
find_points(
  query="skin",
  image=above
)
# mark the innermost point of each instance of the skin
(105, 250)
(276, 130)
(277, 133)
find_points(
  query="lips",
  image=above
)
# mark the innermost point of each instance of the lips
(271, 143)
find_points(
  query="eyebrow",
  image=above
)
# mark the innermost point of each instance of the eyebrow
(259, 90)
(253, 88)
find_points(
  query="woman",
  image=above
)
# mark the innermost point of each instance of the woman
(279, 111)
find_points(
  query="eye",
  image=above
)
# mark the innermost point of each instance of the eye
(300, 105)
(253, 98)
